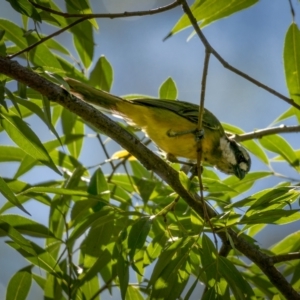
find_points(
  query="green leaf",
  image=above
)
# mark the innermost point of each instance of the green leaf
(38, 256)
(25, 138)
(169, 253)
(133, 293)
(268, 199)
(61, 191)
(123, 274)
(138, 234)
(101, 261)
(216, 186)
(291, 56)
(2, 98)
(40, 55)
(25, 8)
(290, 243)
(84, 42)
(241, 186)
(102, 75)
(279, 145)
(10, 196)
(19, 285)
(90, 288)
(168, 90)
(11, 153)
(172, 270)
(54, 45)
(155, 247)
(72, 125)
(13, 33)
(211, 10)
(2, 44)
(275, 216)
(209, 260)
(27, 226)
(290, 112)
(98, 185)
(19, 240)
(239, 286)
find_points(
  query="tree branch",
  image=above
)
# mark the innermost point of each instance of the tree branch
(225, 64)
(125, 14)
(257, 134)
(147, 158)
(284, 257)
(84, 17)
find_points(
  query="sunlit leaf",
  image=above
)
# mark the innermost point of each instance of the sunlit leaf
(26, 226)
(25, 138)
(10, 196)
(19, 285)
(279, 145)
(72, 125)
(168, 90)
(291, 56)
(211, 10)
(102, 75)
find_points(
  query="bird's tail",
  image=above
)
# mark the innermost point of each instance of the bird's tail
(94, 96)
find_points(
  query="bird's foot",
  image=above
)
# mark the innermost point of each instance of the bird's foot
(198, 133)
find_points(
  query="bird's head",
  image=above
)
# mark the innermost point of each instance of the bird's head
(235, 159)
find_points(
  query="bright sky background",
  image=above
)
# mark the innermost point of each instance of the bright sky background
(251, 41)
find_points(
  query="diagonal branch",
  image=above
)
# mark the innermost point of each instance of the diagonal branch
(147, 158)
(225, 64)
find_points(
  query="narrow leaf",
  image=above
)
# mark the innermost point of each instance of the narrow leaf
(291, 56)
(279, 145)
(10, 196)
(25, 138)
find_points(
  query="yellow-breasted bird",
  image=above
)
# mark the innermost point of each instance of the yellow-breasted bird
(171, 125)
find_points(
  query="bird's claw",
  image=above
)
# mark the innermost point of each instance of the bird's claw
(199, 134)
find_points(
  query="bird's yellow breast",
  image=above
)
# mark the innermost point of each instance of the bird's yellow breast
(157, 122)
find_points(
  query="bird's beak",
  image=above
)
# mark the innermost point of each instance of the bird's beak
(239, 173)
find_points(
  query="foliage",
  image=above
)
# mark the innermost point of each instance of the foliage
(118, 225)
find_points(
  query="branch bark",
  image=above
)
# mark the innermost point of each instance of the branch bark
(257, 134)
(147, 158)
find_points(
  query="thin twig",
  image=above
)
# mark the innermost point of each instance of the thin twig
(84, 17)
(48, 37)
(284, 257)
(257, 134)
(125, 14)
(292, 10)
(225, 64)
(105, 286)
(98, 136)
(199, 143)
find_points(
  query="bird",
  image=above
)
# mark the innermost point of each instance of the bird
(172, 126)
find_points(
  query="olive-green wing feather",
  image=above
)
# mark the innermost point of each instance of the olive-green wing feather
(184, 109)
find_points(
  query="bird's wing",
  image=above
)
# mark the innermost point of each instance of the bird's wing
(186, 110)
